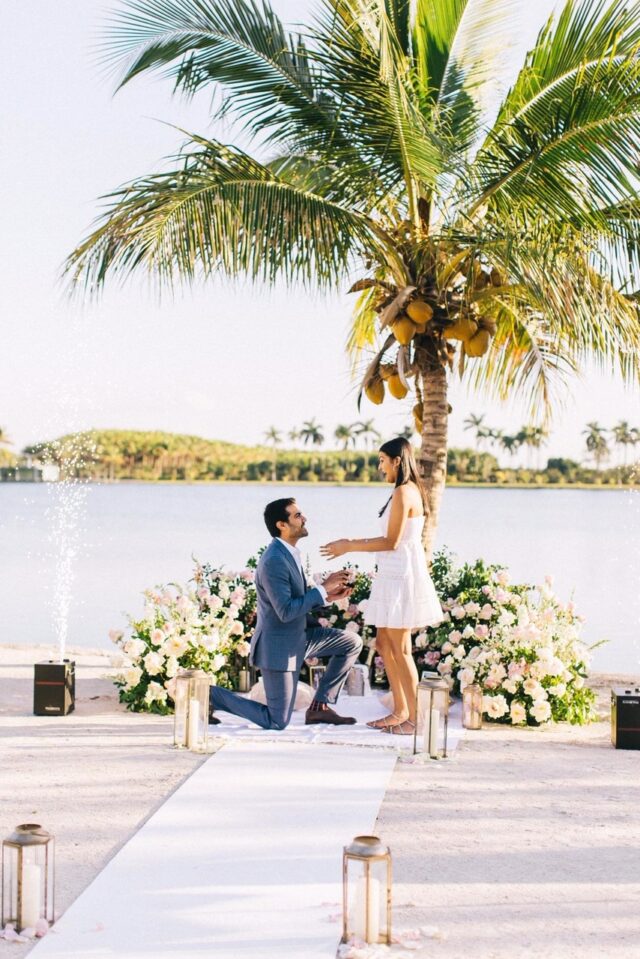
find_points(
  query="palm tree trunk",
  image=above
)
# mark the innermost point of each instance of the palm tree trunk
(433, 453)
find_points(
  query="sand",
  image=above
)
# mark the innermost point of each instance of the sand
(526, 844)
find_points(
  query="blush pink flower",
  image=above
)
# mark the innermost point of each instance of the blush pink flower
(481, 631)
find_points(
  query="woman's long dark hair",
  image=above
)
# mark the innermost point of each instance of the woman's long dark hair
(407, 470)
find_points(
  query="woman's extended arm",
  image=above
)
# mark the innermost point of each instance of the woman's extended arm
(400, 504)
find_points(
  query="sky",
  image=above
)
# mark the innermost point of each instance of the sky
(224, 361)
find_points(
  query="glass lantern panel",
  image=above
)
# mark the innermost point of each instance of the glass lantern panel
(198, 713)
(367, 900)
(9, 885)
(180, 714)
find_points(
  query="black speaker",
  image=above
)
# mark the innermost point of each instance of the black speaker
(625, 717)
(54, 688)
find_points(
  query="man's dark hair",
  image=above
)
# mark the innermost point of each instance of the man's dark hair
(276, 512)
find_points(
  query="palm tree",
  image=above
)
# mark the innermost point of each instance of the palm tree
(502, 243)
(596, 443)
(368, 432)
(474, 422)
(345, 435)
(624, 436)
(275, 437)
(510, 443)
(311, 432)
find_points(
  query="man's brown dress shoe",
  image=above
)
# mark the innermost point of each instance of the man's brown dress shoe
(327, 715)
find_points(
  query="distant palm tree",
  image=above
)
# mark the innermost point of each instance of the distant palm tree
(275, 437)
(368, 432)
(596, 442)
(510, 443)
(311, 432)
(346, 435)
(293, 435)
(624, 436)
(473, 422)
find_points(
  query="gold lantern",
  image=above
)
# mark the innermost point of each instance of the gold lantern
(472, 706)
(366, 891)
(432, 714)
(27, 877)
(191, 716)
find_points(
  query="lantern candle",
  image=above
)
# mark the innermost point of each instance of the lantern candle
(472, 706)
(431, 730)
(366, 913)
(31, 889)
(192, 732)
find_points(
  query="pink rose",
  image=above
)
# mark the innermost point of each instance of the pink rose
(323, 621)
(352, 627)
(432, 658)
(481, 631)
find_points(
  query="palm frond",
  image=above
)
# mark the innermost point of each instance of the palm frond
(219, 210)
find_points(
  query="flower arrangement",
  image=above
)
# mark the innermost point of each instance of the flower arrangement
(518, 642)
(204, 626)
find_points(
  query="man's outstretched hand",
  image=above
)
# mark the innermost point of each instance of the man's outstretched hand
(337, 585)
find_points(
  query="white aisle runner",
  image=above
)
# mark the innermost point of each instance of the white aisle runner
(243, 860)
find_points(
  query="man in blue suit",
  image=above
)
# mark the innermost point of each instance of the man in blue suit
(285, 635)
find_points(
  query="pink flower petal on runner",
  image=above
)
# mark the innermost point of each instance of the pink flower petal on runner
(42, 928)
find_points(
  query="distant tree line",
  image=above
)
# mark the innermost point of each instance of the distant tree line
(110, 455)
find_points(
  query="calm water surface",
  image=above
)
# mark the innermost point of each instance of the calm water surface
(140, 535)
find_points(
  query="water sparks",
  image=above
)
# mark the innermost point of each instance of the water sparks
(66, 512)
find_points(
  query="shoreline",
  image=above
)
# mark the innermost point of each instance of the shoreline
(334, 484)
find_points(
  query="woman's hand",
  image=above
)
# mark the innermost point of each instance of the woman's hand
(337, 548)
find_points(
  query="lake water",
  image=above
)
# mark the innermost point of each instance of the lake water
(140, 535)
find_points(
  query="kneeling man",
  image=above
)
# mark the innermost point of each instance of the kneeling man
(285, 636)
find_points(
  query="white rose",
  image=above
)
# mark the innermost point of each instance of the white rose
(558, 690)
(494, 706)
(578, 682)
(153, 663)
(232, 611)
(446, 647)
(157, 637)
(172, 667)
(541, 711)
(466, 677)
(455, 636)
(214, 603)
(223, 591)
(362, 605)
(243, 648)
(218, 662)
(175, 646)
(467, 632)
(155, 692)
(132, 676)
(134, 648)
(352, 627)
(458, 653)
(497, 673)
(511, 685)
(458, 612)
(517, 712)
(533, 688)
(487, 611)
(237, 629)
(472, 609)
(420, 641)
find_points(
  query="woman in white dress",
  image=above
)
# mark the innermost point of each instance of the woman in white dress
(403, 596)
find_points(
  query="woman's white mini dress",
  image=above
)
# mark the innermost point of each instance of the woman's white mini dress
(402, 593)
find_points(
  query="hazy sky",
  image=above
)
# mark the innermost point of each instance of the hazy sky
(219, 361)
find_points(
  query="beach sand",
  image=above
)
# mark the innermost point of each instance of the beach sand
(526, 844)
